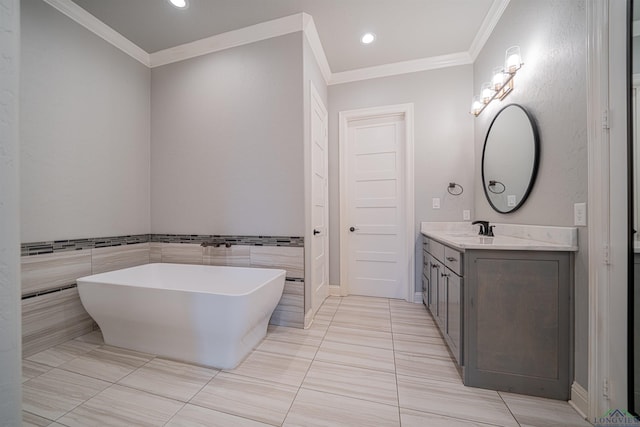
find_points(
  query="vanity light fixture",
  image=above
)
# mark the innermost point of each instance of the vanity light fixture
(180, 4)
(368, 38)
(501, 83)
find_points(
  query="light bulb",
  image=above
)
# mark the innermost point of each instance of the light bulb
(368, 38)
(498, 78)
(476, 105)
(180, 4)
(486, 92)
(513, 59)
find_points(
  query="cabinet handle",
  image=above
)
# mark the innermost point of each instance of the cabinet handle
(451, 259)
(444, 274)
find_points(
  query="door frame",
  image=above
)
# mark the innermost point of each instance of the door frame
(370, 113)
(607, 210)
(314, 96)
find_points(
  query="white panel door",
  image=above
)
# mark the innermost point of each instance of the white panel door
(377, 258)
(319, 202)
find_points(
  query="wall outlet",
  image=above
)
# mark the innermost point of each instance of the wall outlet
(511, 200)
(579, 214)
(466, 215)
(436, 202)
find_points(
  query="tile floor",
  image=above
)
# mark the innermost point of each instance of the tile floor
(364, 362)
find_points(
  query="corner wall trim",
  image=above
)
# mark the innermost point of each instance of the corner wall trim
(242, 36)
(579, 399)
(274, 28)
(404, 67)
(99, 28)
(486, 28)
(311, 33)
(417, 298)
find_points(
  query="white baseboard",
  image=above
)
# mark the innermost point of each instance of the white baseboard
(334, 290)
(579, 399)
(417, 297)
(308, 319)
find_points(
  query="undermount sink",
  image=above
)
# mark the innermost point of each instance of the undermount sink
(462, 234)
(485, 240)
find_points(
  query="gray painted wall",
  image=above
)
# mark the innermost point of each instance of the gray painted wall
(84, 129)
(444, 149)
(10, 350)
(552, 86)
(227, 141)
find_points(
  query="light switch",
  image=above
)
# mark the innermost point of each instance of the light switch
(579, 214)
(466, 215)
(511, 200)
(436, 202)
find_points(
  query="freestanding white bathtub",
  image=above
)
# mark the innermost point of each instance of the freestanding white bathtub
(207, 315)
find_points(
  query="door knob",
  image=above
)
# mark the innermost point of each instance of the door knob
(352, 229)
(316, 231)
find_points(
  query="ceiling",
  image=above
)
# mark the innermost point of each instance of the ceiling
(405, 29)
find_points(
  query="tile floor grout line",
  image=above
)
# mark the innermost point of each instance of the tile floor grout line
(174, 415)
(395, 368)
(136, 370)
(77, 406)
(39, 416)
(321, 334)
(230, 413)
(508, 408)
(312, 360)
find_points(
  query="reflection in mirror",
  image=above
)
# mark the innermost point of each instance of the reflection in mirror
(510, 158)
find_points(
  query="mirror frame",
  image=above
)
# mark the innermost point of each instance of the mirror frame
(536, 159)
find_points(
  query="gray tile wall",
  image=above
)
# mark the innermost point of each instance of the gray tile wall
(53, 313)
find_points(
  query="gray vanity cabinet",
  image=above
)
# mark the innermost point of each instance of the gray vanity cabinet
(454, 314)
(445, 284)
(518, 321)
(505, 315)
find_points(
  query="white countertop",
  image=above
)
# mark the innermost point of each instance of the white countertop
(462, 236)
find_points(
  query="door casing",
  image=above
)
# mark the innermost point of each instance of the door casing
(409, 221)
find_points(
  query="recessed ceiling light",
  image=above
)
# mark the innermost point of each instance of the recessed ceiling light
(180, 4)
(368, 38)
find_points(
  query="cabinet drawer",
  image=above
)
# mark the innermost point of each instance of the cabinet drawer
(453, 260)
(437, 250)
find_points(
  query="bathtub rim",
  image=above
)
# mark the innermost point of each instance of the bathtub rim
(97, 279)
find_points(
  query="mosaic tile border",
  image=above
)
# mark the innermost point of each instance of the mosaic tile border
(49, 247)
(234, 240)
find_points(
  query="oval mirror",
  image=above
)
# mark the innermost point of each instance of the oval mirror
(510, 158)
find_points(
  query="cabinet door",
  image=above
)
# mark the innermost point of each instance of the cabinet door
(525, 295)
(454, 314)
(442, 297)
(425, 290)
(434, 277)
(426, 273)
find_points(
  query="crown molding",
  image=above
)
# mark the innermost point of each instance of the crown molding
(486, 28)
(311, 33)
(404, 67)
(99, 28)
(274, 28)
(242, 36)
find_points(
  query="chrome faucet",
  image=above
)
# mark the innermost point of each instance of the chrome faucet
(485, 228)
